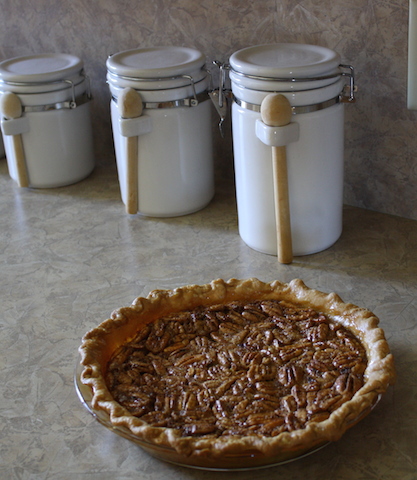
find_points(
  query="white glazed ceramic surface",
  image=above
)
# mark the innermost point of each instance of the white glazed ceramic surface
(58, 147)
(285, 60)
(295, 97)
(166, 90)
(159, 73)
(40, 68)
(57, 143)
(49, 93)
(315, 177)
(175, 158)
(156, 62)
(315, 160)
(175, 168)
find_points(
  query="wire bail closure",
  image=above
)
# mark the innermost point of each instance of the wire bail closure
(69, 104)
(349, 97)
(220, 95)
(192, 101)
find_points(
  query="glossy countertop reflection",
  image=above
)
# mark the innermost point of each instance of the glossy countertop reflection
(71, 255)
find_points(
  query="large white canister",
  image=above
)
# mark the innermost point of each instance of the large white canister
(315, 83)
(174, 172)
(53, 125)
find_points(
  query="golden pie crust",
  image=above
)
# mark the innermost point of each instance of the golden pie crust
(298, 425)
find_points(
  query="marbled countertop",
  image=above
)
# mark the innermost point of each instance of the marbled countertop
(71, 255)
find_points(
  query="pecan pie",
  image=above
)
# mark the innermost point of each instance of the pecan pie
(236, 374)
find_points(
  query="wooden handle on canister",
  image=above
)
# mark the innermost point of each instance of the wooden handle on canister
(11, 108)
(130, 106)
(276, 112)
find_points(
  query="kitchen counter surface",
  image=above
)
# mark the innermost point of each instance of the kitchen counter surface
(71, 255)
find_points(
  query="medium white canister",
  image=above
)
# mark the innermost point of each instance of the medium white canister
(54, 125)
(314, 82)
(174, 150)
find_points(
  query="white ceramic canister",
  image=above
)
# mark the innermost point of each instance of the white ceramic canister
(175, 160)
(314, 82)
(55, 125)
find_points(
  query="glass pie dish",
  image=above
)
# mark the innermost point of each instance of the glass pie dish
(233, 450)
(243, 461)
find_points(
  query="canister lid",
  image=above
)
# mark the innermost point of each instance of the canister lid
(40, 68)
(285, 60)
(156, 62)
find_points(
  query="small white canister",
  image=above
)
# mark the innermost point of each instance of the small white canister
(53, 125)
(174, 160)
(314, 82)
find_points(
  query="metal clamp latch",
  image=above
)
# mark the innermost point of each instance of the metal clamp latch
(348, 94)
(219, 96)
(67, 104)
(192, 101)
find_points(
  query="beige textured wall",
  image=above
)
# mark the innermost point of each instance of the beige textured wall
(381, 140)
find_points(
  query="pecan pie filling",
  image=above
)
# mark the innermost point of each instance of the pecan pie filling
(259, 368)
